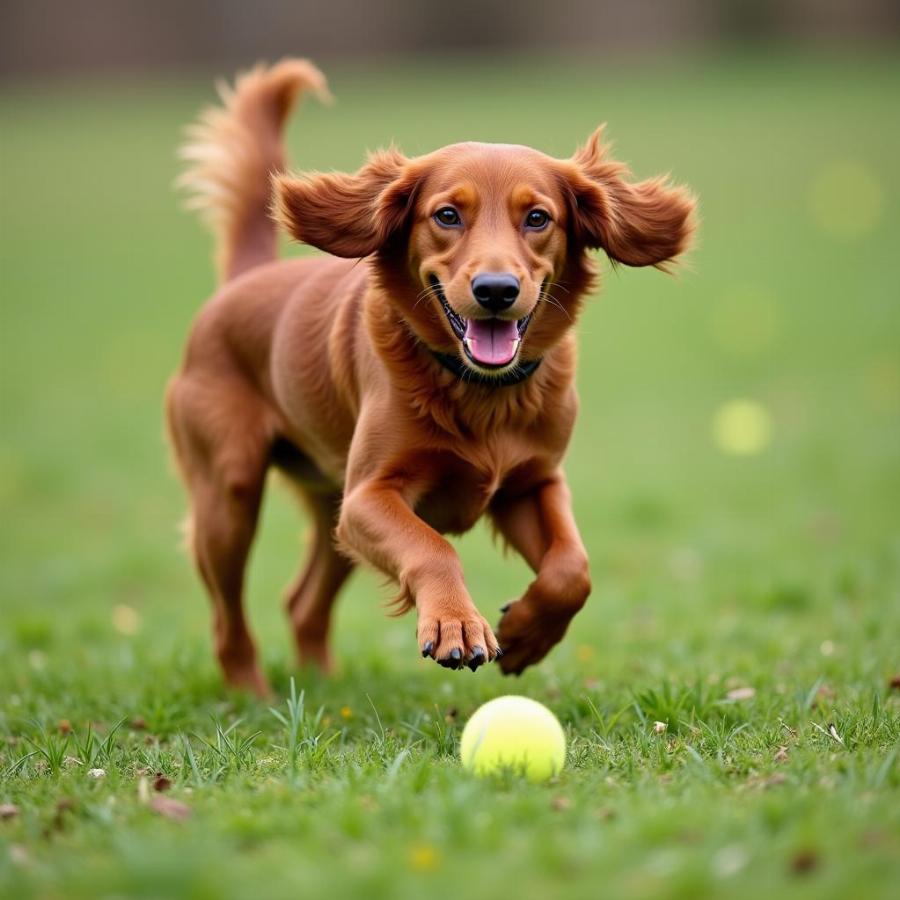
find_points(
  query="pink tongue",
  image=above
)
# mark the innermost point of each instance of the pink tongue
(492, 341)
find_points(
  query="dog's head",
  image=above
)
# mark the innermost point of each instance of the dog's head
(483, 246)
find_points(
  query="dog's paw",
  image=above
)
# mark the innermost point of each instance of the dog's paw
(457, 641)
(527, 634)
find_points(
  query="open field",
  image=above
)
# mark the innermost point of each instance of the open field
(749, 602)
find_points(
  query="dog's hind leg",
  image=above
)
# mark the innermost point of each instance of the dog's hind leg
(222, 448)
(310, 598)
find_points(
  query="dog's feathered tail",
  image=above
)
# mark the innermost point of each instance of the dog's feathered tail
(232, 151)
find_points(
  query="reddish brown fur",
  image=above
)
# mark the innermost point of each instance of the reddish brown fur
(324, 368)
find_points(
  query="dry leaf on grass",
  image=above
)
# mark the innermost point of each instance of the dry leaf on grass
(169, 807)
(741, 693)
(804, 861)
(161, 783)
(8, 810)
(832, 732)
(763, 782)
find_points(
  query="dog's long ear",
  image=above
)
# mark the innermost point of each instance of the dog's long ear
(347, 215)
(645, 223)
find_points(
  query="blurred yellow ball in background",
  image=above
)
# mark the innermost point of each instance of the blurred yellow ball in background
(742, 428)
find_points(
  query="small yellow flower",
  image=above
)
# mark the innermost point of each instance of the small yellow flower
(585, 653)
(346, 712)
(424, 858)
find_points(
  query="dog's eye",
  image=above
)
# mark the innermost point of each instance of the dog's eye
(537, 219)
(448, 217)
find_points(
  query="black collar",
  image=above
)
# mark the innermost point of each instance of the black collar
(514, 376)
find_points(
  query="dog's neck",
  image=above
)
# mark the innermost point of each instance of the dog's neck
(463, 407)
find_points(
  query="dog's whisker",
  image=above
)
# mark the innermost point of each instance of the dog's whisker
(548, 298)
(430, 291)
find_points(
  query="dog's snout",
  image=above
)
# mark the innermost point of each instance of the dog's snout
(495, 291)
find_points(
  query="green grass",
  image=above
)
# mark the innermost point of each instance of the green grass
(778, 572)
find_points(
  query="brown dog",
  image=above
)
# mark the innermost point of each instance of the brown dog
(408, 395)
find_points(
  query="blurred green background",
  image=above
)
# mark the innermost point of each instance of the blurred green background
(734, 469)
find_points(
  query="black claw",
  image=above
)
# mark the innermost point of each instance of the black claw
(505, 607)
(477, 658)
(428, 649)
(453, 661)
(499, 653)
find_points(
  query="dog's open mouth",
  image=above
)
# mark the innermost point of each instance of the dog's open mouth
(489, 343)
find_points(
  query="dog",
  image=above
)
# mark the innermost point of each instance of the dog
(419, 376)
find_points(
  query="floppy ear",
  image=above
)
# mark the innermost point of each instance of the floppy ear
(647, 223)
(347, 215)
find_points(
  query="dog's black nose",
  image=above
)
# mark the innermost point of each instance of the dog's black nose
(495, 291)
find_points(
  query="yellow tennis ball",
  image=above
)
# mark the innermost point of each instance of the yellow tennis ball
(513, 734)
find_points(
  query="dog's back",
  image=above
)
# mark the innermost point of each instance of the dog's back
(292, 310)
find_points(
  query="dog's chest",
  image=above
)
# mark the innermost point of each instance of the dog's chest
(463, 489)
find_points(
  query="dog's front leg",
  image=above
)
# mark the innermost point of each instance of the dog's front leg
(540, 526)
(378, 524)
